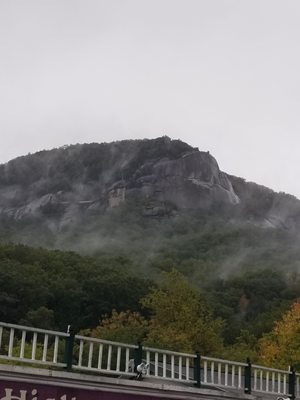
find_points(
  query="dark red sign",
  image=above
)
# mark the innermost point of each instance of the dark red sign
(10, 390)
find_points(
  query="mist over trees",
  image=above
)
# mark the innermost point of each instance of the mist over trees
(103, 297)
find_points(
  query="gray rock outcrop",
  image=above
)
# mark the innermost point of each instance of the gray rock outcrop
(160, 177)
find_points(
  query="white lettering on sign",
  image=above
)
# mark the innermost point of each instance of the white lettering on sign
(9, 395)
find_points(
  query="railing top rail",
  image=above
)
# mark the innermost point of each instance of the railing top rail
(102, 341)
(220, 360)
(30, 329)
(282, 371)
(169, 352)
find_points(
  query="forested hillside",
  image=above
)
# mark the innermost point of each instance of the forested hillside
(102, 296)
(52, 289)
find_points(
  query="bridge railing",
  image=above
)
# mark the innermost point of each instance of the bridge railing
(218, 372)
(31, 345)
(97, 355)
(270, 380)
(297, 385)
(22, 344)
(169, 365)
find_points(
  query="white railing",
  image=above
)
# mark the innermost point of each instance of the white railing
(104, 356)
(31, 345)
(23, 344)
(169, 365)
(270, 380)
(217, 372)
(297, 386)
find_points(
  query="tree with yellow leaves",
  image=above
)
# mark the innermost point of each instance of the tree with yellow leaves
(281, 347)
(180, 318)
(125, 326)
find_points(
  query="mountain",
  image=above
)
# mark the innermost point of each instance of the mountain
(162, 176)
(143, 199)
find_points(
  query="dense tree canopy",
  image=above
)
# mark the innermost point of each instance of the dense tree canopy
(53, 289)
(251, 301)
(180, 318)
(281, 347)
(125, 326)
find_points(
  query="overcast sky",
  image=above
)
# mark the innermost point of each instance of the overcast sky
(222, 75)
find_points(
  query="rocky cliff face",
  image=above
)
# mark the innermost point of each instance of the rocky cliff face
(161, 177)
(192, 181)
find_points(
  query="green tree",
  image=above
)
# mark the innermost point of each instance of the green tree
(246, 345)
(125, 326)
(41, 317)
(180, 318)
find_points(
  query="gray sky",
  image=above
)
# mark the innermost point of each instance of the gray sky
(223, 75)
